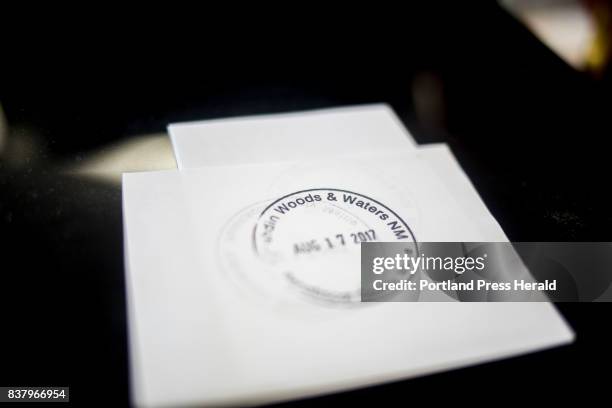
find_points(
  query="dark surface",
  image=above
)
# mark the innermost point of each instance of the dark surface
(532, 134)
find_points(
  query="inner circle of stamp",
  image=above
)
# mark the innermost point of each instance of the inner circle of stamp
(312, 238)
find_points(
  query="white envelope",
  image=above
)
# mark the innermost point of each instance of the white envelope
(288, 137)
(213, 321)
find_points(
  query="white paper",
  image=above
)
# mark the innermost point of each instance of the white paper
(213, 323)
(289, 136)
(333, 133)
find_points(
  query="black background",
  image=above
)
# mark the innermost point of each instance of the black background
(532, 133)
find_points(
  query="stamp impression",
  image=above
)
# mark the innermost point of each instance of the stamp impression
(306, 244)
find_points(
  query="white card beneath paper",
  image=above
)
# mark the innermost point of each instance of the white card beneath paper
(214, 322)
(288, 137)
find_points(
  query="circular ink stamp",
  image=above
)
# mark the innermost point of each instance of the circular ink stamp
(306, 244)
